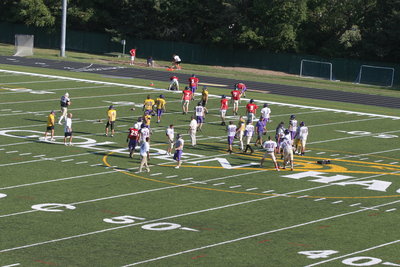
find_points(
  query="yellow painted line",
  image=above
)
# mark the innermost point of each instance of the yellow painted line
(105, 161)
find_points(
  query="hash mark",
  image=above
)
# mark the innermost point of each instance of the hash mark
(356, 204)
(319, 153)
(171, 176)
(219, 184)
(390, 210)
(319, 199)
(66, 160)
(9, 152)
(303, 196)
(334, 155)
(184, 179)
(336, 202)
(154, 174)
(363, 158)
(39, 156)
(269, 191)
(81, 162)
(25, 154)
(251, 189)
(393, 162)
(380, 160)
(235, 186)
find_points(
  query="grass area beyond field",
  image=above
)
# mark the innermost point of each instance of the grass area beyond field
(86, 205)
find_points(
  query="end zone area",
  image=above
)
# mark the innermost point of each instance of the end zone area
(86, 205)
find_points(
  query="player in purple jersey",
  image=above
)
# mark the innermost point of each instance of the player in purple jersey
(232, 130)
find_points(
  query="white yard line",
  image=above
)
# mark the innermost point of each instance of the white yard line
(356, 252)
(264, 233)
(350, 137)
(44, 159)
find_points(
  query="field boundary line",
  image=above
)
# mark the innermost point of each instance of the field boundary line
(160, 89)
(353, 253)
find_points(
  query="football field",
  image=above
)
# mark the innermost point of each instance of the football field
(86, 205)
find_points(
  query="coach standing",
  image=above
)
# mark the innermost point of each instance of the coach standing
(64, 102)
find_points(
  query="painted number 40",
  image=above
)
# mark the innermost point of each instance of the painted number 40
(353, 261)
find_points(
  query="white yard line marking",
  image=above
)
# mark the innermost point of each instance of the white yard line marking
(38, 156)
(261, 234)
(269, 191)
(171, 176)
(336, 202)
(235, 186)
(25, 154)
(364, 159)
(251, 189)
(357, 252)
(393, 162)
(319, 153)
(218, 184)
(11, 265)
(389, 210)
(155, 174)
(372, 153)
(319, 199)
(379, 160)
(334, 155)
(185, 179)
(303, 196)
(58, 180)
(44, 159)
(98, 164)
(81, 162)
(14, 151)
(67, 160)
(355, 204)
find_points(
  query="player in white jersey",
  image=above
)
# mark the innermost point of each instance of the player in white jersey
(144, 132)
(170, 136)
(266, 113)
(270, 148)
(231, 130)
(301, 138)
(287, 152)
(200, 115)
(65, 102)
(249, 132)
(241, 127)
(280, 133)
(292, 126)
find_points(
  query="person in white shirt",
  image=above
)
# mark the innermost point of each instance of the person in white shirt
(138, 124)
(292, 126)
(145, 155)
(200, 114)
(176, 61)
(266, 113)
(287, 152)
(170, 136)
(249, 132)
(68, 129)
(192, 130)
(301, 137)
(232, 130)
(178, 150)
(280, 133)
(144, 133)
(270, 148)
(64, 102)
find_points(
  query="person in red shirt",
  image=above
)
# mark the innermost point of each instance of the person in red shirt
(242, 88)
(223, 108)
(174, 85)
(133, 54)
(251, 110)
(193, 83)
(186, 97)
(132, 138)
(236, 100)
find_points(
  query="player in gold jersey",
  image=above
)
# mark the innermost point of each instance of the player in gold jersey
(50, 126)
(160, 106)
(111, 118)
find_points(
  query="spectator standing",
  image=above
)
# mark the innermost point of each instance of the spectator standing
(145, 155)
(133, 55)
(192, 130)
(176, 62)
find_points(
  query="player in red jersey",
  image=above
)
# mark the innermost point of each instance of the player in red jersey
(251, 110)
(235, 99)
(132, 138)
(174, 85)
(242, 88)
(133, 54)
(193, 83)
(186, 97)
(223, 109)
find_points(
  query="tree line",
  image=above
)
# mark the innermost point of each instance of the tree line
(363, 29)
